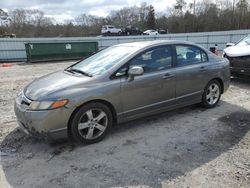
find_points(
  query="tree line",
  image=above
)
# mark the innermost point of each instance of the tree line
(198, 16)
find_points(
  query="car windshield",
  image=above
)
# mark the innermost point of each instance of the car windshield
(104, 60)
(244, 42)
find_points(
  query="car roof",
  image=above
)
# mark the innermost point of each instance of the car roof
(144, 44)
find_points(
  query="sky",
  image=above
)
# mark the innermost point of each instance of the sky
(69, 9)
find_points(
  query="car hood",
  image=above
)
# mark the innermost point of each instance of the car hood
(236, 51)
(52, 83)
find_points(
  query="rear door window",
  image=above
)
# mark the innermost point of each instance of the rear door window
(187, 55)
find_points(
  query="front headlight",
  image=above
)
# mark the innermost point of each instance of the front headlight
(47, 105)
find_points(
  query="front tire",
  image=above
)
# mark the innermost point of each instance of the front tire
(212, 94)
(91, 122)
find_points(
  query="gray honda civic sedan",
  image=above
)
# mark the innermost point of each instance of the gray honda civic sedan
(119, 84)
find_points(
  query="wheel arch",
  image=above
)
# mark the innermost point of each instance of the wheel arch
(105, 102)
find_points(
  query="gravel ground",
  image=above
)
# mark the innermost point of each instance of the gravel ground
(187, 147)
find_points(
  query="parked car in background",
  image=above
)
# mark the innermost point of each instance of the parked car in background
(162, 31)
(110, 30)
(8, 35)
(131, 30)
(119, 84)
(150, 32)
(239, 56)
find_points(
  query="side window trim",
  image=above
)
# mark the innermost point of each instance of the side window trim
(202, 51)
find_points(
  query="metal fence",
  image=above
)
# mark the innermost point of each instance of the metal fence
(13, 49)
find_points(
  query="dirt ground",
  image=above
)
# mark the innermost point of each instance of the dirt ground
(187, 147)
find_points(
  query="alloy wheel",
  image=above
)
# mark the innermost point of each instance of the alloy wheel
(213, 94)
(92, 124)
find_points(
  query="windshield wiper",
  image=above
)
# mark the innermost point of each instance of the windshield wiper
(70, 69)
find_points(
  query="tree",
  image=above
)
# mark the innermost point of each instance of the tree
(143, 13)
(4, 18)
(85, 20)
(18, 18)
(199, 16)
(151, 18)
(242, 10)
(179, 7)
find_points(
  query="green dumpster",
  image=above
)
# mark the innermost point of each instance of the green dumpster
(59, 50)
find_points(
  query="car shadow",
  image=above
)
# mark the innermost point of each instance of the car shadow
(147, 151)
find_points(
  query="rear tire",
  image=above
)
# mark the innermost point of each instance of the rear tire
(91, 123)
(212, 94)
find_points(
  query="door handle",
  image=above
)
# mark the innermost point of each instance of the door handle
(203, 69)
(168, 76)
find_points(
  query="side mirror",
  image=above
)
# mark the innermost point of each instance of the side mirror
(230, 44)
(135, 71)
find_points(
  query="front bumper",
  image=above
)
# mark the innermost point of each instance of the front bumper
(48, 124)
(240, 70)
